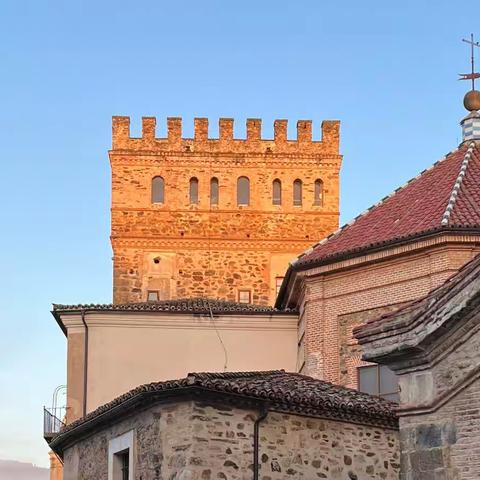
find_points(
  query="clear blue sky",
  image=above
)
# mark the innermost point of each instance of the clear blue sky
(387, 70)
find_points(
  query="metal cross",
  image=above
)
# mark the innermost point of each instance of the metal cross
(471, 76)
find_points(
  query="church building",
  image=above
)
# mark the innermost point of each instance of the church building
(407, 244)
(376, 304)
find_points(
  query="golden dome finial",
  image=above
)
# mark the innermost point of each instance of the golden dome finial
(471, 100)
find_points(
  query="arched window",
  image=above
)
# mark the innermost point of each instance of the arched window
(277, 192)
(318, 193)
(158, 190)
(214, 191)
(193, 191)
(243, 191)
(297, 193)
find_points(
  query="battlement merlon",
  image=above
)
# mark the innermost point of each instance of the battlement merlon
(253, 143)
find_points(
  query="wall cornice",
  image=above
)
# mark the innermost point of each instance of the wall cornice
(295, 214)
(181, 243)
(181, 321)
(392, 252)
(177, 158)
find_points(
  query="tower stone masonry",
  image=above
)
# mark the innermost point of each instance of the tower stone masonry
(218, 218)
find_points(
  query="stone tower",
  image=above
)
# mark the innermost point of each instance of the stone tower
(217, 217)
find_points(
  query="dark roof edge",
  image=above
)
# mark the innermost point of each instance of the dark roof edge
(365, 212)
(175, 307)
(58, 319)
(143, 399)
(279, 302)
(345, 255)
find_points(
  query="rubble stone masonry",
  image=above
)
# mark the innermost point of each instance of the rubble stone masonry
(178, 248)
(198, 441)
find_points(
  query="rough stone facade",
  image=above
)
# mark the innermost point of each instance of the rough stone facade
(201, 441)
(440, 438)
(444, 444)
(180, 249)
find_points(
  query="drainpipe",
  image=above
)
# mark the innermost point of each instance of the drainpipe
(85, 364)
(256, 433)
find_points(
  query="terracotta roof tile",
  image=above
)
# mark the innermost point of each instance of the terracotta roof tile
(282, 391)
(186, 305)
(412, 210)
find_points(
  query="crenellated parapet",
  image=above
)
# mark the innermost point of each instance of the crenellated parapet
(226, 142)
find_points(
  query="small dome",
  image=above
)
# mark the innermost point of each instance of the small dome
(471, 101)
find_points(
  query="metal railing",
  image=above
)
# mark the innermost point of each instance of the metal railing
(51, 421)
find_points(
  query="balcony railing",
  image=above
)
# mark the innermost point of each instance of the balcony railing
(51, 421)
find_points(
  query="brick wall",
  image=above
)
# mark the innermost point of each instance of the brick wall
(215, 250)
(350, 352)
(199, 441)
(390, 280)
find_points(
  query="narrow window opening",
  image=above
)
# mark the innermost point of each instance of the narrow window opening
(243, 191)
(297, 193)
(121, 466)
(244, 296)
(153, 296)
(194, 191)
(318, 193)
(277, 192)
(214, 191)
(158, 190)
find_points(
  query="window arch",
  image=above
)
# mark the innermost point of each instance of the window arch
(158, 190)
(214, 191)
(297, 193)
(277, 192)
(243, 191)
(193, 191)
(318, 192)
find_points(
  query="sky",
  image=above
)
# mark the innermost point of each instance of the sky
(387, 70)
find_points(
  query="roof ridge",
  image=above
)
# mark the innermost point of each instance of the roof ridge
(175, 301)
(232, 375)
(457, 185)
(308, 396)
(375, 205)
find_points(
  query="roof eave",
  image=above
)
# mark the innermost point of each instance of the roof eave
(346, 255)
(58, 318)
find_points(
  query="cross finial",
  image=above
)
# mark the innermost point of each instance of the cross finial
(473, 75)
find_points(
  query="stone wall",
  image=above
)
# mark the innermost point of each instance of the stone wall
(196, 441)
(446, 443)
(216, 250)
(440, 409)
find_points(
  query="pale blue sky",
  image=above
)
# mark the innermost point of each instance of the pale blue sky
(387, 70)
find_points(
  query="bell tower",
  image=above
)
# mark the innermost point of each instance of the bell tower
(217, 217)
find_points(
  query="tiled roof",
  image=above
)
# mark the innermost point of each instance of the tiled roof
(446, 196)
(279, 390)
(187, 305)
